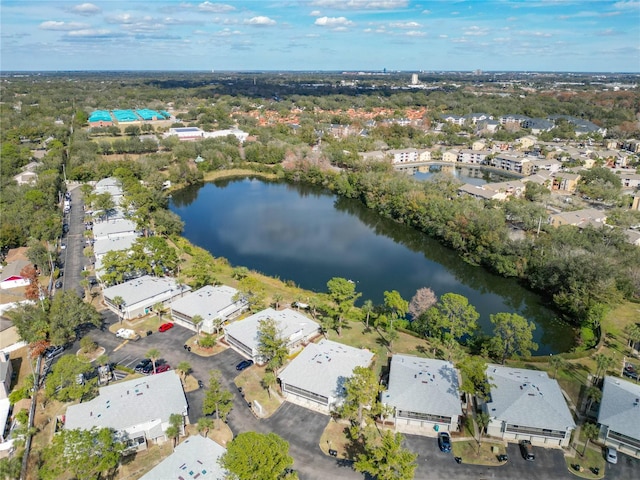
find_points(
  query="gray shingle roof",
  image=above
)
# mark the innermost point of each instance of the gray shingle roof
(292, 325)
(527, 398)
(322, 368)
(208, 302)
(113, 226)
(423, 385)
(132, 403)
(196, 455)
(620, 407)
(143, 288)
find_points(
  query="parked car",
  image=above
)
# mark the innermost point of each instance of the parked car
(527, 450)
(59, 284)
(200, 384)
(612, 455)
(143, 363)
(53, 351)
(148, 369)
(165, 326)
(162, 368)
(244, 364)
(444, 441)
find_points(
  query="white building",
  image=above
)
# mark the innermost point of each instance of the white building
(215, 305)
(138, 409)
(315, 378)
(527, 405)
(195, 133)
(141, 294)
(296, 328)
(409, 155)
(195, 457)
(619, 415)
(423, 393)
(114, 228)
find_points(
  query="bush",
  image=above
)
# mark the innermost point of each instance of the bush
(207, 341)
(88, 345)
(587, 337)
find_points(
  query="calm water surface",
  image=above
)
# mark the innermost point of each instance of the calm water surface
(466, 174)
(307, 235)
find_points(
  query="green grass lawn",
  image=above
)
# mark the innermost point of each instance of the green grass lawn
(356, 335)
(484, 454)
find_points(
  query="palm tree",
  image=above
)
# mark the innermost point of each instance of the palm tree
(277, 299)
(594, 394)
(367, 308)
(173, 433)
(633, 332)
(482, 419)
(204, 425)
(185, 369)
(603, 363)
(268, 381)
(154, 355)
(197, 321)
(118, 301)
(160, 308)
(591, 432)
(556, 362)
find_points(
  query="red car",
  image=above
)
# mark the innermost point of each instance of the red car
(162, 368)
(165, 326)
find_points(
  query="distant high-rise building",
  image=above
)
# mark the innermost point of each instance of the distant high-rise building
(477, 72)
(414, 79)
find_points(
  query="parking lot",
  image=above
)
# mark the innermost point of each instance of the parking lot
(302, 428)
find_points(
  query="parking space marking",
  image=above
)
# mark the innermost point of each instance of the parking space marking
(121, 345)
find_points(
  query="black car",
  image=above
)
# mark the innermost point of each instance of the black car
(444, 442)
(244, 364)
(142, 365)
(527, 450)
(59, 284)
(200, 384)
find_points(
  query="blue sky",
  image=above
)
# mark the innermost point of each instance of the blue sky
(564, 35)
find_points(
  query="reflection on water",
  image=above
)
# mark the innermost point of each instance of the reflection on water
(474, 175)
(307, 235)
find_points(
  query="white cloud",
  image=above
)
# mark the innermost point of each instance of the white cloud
(361, 4)
(405, 25)
(120, 18)
(90, 32)
(443, 36)
(333, 22)
(62, 26)
(627, 4)
(215, 7)
(315, 13)
(260, 21)
(426, 12)
(86, 9)
(415, 33)
(227, 32)
(475, 31)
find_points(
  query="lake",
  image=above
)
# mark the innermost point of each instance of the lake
(473, 174)
(308, 235)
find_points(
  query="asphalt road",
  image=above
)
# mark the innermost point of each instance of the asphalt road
(72, 256)
(302, 428)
